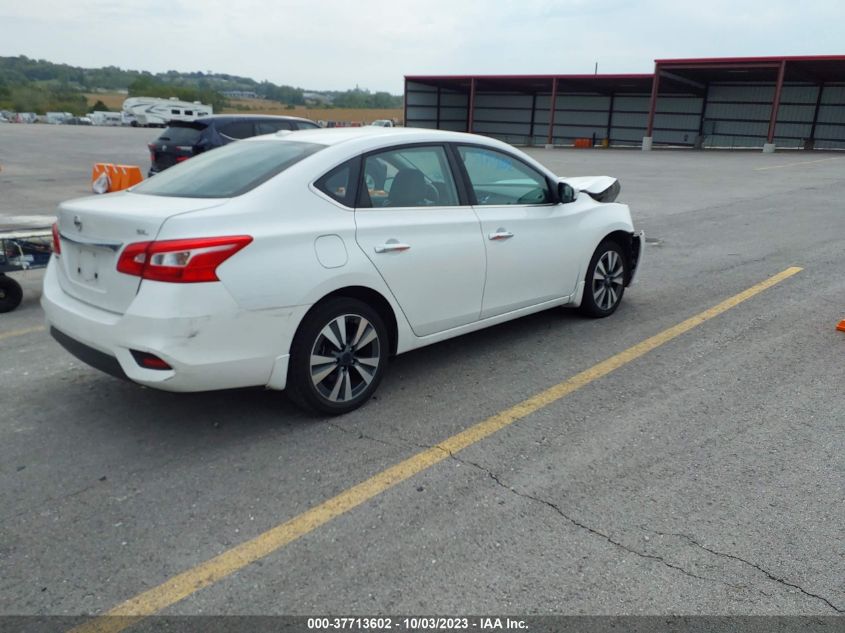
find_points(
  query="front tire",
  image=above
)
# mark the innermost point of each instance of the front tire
(605, 281)
(338, 357)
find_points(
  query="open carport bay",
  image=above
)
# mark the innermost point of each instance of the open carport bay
(705, 477)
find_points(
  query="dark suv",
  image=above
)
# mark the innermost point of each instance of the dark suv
(183, 139)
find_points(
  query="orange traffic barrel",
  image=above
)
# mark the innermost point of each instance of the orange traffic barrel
(841, 326)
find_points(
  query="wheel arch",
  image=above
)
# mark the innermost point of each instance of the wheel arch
(625, 239)
(372, 298)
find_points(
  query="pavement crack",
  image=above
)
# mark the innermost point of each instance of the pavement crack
(364, 436)
(766, 572)
(583, 526)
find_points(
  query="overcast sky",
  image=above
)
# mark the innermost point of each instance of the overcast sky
(334, 45)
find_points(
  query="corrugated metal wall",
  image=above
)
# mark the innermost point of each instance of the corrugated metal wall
(677, 119)
(630, 117)
(730, 115)
(504, 115)
(830, 124)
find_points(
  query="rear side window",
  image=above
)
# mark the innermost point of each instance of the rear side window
(270, 127)
(306, 125)
(229, 171)
(181, 135)
(237, 129)
(408, 177)
(339, 183)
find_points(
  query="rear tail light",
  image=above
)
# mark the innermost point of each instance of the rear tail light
(180, 261)
(179, 159)
(57, 243)
(152, 153)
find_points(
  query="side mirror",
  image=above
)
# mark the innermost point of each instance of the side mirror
(566, 193)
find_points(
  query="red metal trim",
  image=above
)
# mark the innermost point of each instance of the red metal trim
(742, 60)
(527, 77)
(552, 107)
(776, 102)
(720, 66)
(652, 106)
(405, 104)
(471, 108)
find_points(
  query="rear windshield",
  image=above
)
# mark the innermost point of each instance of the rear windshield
(181, 135)
(228, 171)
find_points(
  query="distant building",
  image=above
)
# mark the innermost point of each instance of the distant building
(239, 94)
(315, 98)
(733, 102)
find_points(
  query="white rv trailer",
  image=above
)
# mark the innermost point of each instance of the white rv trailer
(155, 112)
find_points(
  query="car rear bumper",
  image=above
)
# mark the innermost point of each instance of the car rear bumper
(197, 329)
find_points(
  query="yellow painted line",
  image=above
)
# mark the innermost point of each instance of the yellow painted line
(188, 582)
(803, 162)
(14, 333)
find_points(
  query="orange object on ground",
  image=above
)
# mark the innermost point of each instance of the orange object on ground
(841, 326)
(583, 143)
(120, 176)
(130, 176)
(115, 178)
(101, 177)
(99, 168)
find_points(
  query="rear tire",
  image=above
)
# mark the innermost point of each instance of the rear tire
(338, 357)
(11, 294)
(604, 284)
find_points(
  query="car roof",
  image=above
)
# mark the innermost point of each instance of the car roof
(380, 135)
(250, 117)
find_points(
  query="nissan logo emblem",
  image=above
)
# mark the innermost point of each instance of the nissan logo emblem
(77, 223)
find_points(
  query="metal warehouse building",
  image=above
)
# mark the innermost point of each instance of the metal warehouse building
(753, 102)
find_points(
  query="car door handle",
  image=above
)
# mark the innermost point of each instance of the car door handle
(500, 234)
(392, 247)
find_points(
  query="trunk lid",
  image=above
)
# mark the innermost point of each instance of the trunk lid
(94, 231)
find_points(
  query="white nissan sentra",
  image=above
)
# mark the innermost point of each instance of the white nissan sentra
(303, 261)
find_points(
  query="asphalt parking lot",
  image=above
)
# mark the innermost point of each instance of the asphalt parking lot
(703, 477)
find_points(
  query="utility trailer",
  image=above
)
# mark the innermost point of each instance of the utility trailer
(21, 249)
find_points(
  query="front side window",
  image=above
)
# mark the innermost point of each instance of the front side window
(499, 179)
(229, 171)
(408, 177)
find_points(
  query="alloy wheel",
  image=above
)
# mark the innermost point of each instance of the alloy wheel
(608, 280)
(345, 358)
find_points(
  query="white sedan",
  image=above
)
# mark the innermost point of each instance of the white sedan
(303, 261)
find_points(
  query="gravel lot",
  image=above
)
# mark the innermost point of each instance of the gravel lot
(703, 478)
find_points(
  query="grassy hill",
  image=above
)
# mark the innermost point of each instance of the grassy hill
(30, 85)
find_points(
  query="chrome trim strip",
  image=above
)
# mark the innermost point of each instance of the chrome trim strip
(112, 246)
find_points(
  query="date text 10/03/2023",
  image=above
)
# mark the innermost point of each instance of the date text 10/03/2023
(376, 624)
